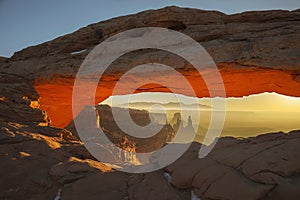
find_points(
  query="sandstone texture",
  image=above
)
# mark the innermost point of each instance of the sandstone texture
(255, 52)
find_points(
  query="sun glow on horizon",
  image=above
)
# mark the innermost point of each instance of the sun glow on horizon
(256, 102)
(245, 116)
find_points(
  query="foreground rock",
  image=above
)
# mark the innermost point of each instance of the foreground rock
(37, 162)
(265, 167)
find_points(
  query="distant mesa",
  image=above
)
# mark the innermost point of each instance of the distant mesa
(125, 141)
(118, 137)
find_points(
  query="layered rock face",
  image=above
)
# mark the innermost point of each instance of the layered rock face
(255, 51)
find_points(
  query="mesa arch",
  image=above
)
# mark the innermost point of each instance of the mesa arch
(255, 52)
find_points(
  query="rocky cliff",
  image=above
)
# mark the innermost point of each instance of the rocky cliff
(255, 52)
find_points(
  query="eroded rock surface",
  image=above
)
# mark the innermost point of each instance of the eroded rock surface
(253, 168)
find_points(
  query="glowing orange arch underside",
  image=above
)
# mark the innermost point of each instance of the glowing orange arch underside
(56, 96)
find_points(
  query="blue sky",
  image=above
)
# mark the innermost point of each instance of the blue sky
(29, 22)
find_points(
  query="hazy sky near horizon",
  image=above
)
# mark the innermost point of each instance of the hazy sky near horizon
(271, 102)
(31, 22)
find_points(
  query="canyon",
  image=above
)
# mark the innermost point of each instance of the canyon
(255, 52)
